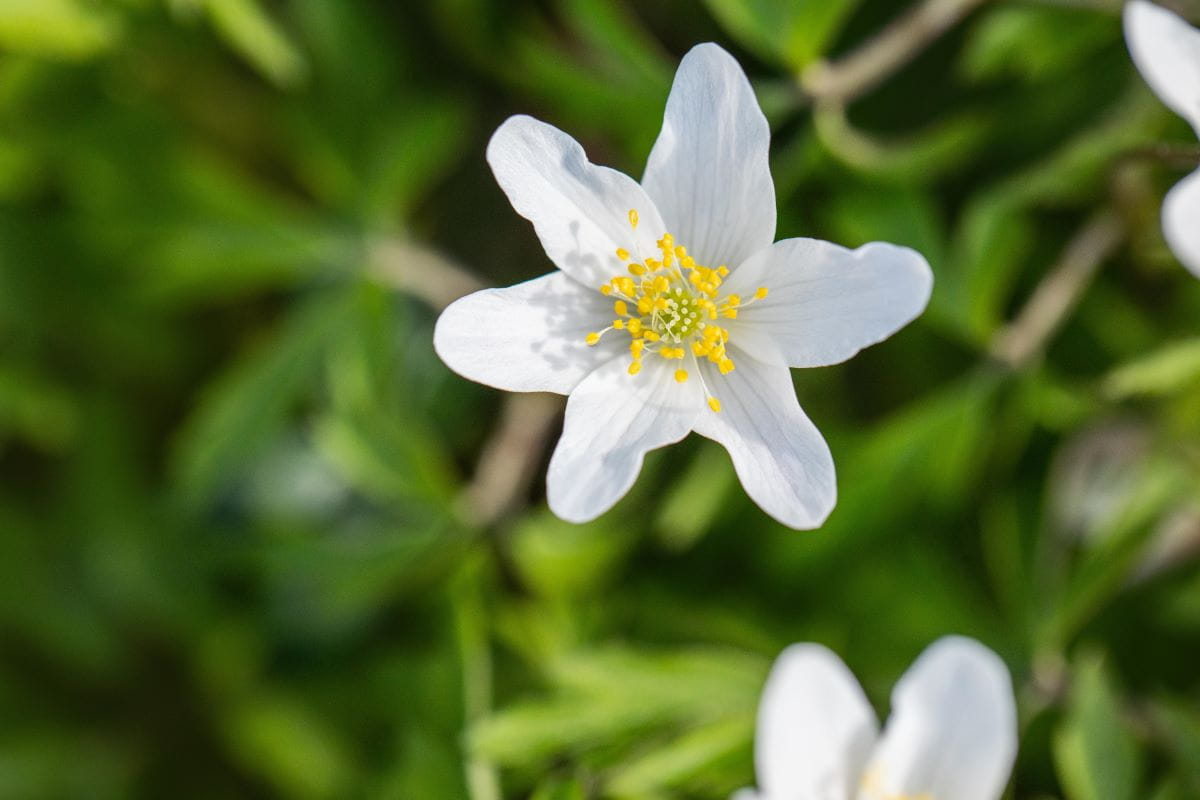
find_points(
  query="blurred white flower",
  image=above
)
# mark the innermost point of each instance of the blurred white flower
(1167, 53)
(673, 311)
(952, 734)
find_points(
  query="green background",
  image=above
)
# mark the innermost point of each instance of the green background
(257, 541)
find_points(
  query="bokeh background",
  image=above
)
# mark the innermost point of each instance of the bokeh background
(257, 541)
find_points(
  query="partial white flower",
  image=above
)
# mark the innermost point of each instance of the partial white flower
(952, 734)
(672, 310)
(1166, 51)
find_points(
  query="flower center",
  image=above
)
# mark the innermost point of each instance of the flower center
(668, 300)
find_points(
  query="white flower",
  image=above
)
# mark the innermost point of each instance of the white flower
(952, 734)
(1167, 53)
(673, 311)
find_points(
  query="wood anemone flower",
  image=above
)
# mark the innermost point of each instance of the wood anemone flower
(673, 309)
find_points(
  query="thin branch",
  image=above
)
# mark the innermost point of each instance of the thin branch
(508, 463)
(865, 68)
(420, 271)
(1182, 156)
(1026, 336)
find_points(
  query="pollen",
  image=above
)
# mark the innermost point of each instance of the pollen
(670, 305)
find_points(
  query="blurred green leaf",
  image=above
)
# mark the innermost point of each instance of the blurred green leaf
(246, 405)
(556, 558)
(683, 758)
(1096, 755)
(253, 34)
(1036, 42)
(1166, 371)
(792, 33)
(57, 28)
(280, 740)
(35, 408)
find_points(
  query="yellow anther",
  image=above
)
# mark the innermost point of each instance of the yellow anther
(635, 367)
(733, 301)
(651, 336)
(592, 338)
(726, 366)
(636, 347)
(680, 252)
(636, 268)
(620, 308)
(731, 313)
(760, 293)
(645, 304)
(653, 264)
(622, 254)
(723, 271)
(606, 290)
(635, 326)
(624, 285)
(714, 404)
(680, 375)
(619, 324)
(633, 218)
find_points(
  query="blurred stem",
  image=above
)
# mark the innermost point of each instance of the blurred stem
(483, 781)
(1174, 155)
(509, 459)
(420, 271)
(1023, 339)
(865, 68)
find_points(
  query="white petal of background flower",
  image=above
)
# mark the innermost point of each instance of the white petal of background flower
(1167, 53)
(952, 734)
(815, 728)
(708, 171)
(611, 423)
(1181, 221)
(526, 338)
(580, 211)
(780, 457)
(827, 302)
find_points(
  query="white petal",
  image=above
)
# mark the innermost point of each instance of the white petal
(1181, 221)
(527, 338)
(746, 794)
(708, 171)
(580, 211)
(952, 734)
(815, 727)
(779, 455)
(613, 419)
(826, 302)
(1167, 53)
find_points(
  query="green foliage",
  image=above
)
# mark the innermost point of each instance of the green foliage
(242, 551)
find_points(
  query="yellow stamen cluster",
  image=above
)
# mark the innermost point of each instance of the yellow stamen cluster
(668, 300)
